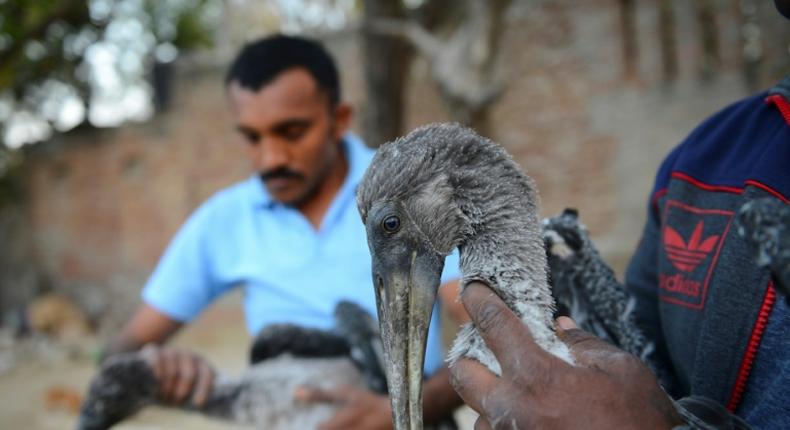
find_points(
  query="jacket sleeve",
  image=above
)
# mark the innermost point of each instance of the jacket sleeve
(702, 413)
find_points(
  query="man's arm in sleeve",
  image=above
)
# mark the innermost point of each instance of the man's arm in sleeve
(179, 289)
(147, 326)
(449, 290)
(181, 286)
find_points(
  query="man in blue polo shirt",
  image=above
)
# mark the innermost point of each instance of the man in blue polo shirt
(290, 235)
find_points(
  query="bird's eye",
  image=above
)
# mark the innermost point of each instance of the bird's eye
(391, 224)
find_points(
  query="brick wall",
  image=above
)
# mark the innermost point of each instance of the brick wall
(103, 204)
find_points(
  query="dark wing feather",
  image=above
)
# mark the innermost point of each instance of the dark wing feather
(124, 385)
(361, 332)
(587, 290)
(765, 223)
(277, 339)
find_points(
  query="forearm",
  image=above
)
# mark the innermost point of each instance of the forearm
(439, 399)
(146, 326)
(117, 345)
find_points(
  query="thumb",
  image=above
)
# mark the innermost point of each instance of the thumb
(565, 323)
(585, 346)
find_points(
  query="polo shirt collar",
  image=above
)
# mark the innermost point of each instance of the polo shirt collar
(358, 160)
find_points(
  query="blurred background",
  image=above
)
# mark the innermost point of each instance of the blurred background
(113, 128)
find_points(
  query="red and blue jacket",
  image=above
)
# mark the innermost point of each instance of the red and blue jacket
(712, 311)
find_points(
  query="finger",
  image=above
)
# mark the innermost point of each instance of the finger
(473, 382)
(167, 360)
(187, 372)
(482, 424)
(319, 395)
(150, 354)
(585, 346)
(504, 333)
(203, 384)
(565, 323)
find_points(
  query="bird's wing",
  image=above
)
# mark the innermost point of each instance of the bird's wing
(361, 331)
(585, 285)
(298, 341)
(765, 223)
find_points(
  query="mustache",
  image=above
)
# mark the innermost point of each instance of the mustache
(280, 173)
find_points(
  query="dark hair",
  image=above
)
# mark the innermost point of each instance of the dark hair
(259, 62)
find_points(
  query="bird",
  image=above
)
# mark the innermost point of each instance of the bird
(586, 289)
(439, 188)
(765, 223)
(283, 357)
(356, 337)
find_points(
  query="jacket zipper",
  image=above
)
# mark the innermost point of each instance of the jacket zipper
(781, 104)
(752, 347)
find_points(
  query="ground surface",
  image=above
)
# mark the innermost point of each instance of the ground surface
(38, 392)
(35, 394)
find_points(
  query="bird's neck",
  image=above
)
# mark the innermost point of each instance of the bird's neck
(508, 254)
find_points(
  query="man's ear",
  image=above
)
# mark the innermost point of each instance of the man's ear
(343, 114)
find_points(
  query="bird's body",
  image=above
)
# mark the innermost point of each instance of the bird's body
(355, 337)
(439, 188)
(261, 396)
(284, 357)
(587, 290)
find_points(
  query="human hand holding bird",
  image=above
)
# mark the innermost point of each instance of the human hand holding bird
(607, 388)
(358, 408)
(181, 374)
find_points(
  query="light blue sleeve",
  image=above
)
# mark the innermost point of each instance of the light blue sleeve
(183, 283)
(452, 269)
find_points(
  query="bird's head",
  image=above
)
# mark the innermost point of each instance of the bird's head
(123, 386)
(408, 202)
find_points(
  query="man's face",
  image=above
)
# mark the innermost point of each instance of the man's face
(291, 132)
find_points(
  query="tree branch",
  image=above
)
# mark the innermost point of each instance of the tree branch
(425, 42)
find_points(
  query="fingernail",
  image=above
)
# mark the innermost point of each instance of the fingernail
(566, 323)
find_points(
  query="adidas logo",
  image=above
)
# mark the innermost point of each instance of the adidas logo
(687, 256)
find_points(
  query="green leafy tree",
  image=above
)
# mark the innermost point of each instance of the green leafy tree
(45, 47)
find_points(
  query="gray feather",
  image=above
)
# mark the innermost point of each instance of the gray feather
(284, 357)
(587, 290)
(261, 396)
(765, 223)
(466, 192)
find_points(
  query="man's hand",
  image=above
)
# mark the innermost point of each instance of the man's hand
(607, 389)
(181, 374)
(359, 408)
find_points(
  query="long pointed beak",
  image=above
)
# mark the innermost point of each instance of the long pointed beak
(405, 297)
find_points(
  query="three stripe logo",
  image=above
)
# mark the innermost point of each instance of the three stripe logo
(686, 256)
